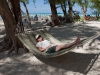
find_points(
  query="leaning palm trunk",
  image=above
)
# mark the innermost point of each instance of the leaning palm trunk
(10, 24)
(63, 6)
(26, 11)
(15, 8)
(84, 12)
(55, 18)
(10, 19)
(70, 11)
(29, 20)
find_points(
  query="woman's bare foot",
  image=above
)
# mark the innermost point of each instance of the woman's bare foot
(78, 40)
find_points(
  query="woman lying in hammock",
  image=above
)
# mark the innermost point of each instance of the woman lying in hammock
(47, 47)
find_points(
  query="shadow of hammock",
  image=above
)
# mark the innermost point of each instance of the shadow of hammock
(72, 61)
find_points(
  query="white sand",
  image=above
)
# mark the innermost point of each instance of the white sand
(80, 61)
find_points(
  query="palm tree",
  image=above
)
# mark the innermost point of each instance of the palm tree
(10, 18)
(84, 5)
(15, 8)
(10, 24)
(63, 5)
(95, 6)
(55, 18)
(70, 4)
(24, 3)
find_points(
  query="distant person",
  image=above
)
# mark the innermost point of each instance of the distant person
(25, 20)
(47, 47)
(36, 17)
(85, 17)
(78, 17)
(26, 23)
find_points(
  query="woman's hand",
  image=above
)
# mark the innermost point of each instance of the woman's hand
(43, 49)
(48, 47)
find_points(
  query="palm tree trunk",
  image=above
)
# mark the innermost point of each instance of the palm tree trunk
(70, 11)
(84, 12)
(55, 18)
(29, 20)
(26, 11)
(63, 6)
(15, 8)
(9, 21)
(10, 25)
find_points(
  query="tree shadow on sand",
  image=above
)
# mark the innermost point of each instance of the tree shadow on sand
(68, 31)
(61, 65)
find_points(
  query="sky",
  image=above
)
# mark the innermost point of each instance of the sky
(40, 7)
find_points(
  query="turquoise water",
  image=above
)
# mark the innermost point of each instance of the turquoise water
(43, 14)
(46, 14)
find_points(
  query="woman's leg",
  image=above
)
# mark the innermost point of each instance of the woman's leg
(61, 47)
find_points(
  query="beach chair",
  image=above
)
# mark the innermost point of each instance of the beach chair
(28, 40)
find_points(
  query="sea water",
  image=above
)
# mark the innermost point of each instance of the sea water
(44, 14)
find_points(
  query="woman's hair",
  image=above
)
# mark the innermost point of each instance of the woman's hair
(39, 37)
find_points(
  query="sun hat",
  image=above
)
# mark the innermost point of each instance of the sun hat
(37, 36)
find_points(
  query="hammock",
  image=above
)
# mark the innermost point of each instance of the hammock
(28, 40)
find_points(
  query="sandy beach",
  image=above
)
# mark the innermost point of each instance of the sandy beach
(81, 61)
